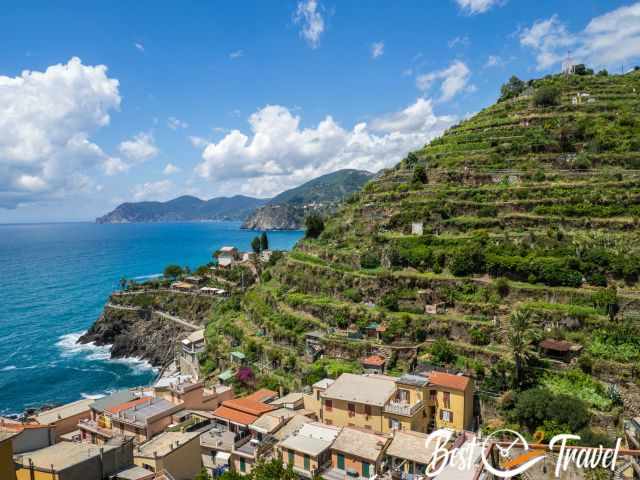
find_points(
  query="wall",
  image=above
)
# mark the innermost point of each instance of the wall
(354, 463)
(32, 439)
(183, 463)
(68, 425)
(339, 416)
(7, 468)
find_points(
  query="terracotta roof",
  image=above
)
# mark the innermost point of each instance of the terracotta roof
(127, 405)
(556, 345)
(249, 406)
(375, 360)
(447, 380)
(234, 416)
(262, 395)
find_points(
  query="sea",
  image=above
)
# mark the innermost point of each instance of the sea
(54, 281)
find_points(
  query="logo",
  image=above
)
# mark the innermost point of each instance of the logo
(511, 463)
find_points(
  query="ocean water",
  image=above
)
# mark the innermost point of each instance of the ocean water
(54, 280)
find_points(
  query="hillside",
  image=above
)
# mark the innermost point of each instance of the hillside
(530, 206)
(287, 210)
(184, 209)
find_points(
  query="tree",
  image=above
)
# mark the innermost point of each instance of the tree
(255, 245)
(123, 283)
(203, 475)
(420, 174)
(512, 88)
(172, 271)
(519, 338)
(264, 241)
(581, 69)
(546, 97)
(272, 470)
(314, 224)
(442, 352)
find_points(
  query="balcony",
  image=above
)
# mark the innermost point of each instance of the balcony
(404, 409)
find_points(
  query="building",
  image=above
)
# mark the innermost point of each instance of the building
(237, 414)
(25, 437)
(65, 418)
(559, 349)
(190, 349)
(291, 401)
(227, 256)
(357, 454)
(182, 390)
(373, 364)
(98, 428)
(216, 445)
(7, 467)
(313, 401)
(407, 454)
(450, 401)
(308, 450)
(177, 453)
(74, 461)
(145, 417)
(417, 228)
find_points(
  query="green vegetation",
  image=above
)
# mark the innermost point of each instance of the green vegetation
(314, 225)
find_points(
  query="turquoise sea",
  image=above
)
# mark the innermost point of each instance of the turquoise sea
(54, 280)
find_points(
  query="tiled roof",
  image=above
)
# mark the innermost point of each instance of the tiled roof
(249, 406)
(370, 390)
(234, 415)
(360, 443)
(411, 446)
(375, 360)
(128, 405)
(262, 395)
(447, 380)
(64, 411)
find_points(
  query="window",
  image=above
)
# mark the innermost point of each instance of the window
(433, 395)
(352, 409)
(318, 395)
(329, 405)
(328, 422)
(394, 424)
(402, 396)
(243, 465)
(307, 463)
(446, 416)
(291, 456)
(447, 399)
(340, 461)
(367, 410)
(365, 470)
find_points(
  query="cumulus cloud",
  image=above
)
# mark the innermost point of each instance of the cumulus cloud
(377, 49)
(46, 121)
(170, 169)
(608, 39)
(280, 154)
(310, 20)
(158, 191)
(175, 124)
(473, 7)
(236, 54)
(140, 148)
(494, 61)
(453, 80)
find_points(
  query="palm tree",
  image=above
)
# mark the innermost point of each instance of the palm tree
(519, 338)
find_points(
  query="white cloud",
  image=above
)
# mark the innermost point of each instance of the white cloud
(198, 141)
(158, 191)
(114, 165)
(462, 41)
(236, 54)
(280, 153)
(139, 46)
(174, 123)
(377, 49)
(473, 7)
(140, 148)
(494, 61)
(311, 22)
(170, 169)
(609, 39)
(46, 119)
(453, 80)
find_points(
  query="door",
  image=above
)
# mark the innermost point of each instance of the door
(365, 470)
(340, 462)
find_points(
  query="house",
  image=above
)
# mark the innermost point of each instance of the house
(375, 330)
(227, 256)
(417, 228)
(313, 345)
(74, 460)
(226, 376)
(177, 453)
(238, 413)
(216, 445)
(182, 390)
(238, 358)
(7, 467)
(435, 308)
(97, 429)
(450, 401)
(64, 419)
(559, 349)
(291, 401)
(313, 401)
(408, 454)
(145, 417)
(134, 473)
(308, 450)
(265, 255)
(183, 286)
(189, 357)
(356, 453)
(373, 364)
(194, 279)
(26, 437)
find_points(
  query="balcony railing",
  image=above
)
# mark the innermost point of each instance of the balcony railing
(404, 409)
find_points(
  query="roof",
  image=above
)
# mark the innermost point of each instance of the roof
(62, 455)
(415, 380)
(238, 355)
(226, 375)
(128, 405)
(411, 446)
(6, 435)
(228, 249)
(361, 389)
(234, 415)
(135, 473)
(309, 446)
(375, 360)
(197, 336)
(142, 414)
(293, 397)
(556, 345)
(447, 380)
(116, 398)
(324, 383)
(270, 422)
(319, 431)
(164, 444)
(292, 426)
(64, 411)
(262, 395)
(252, 404)
(360, 443)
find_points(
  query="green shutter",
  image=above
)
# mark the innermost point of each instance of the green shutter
(307, 463)
(243, 465)
(340, 461)
(291, 456)
(365, 470)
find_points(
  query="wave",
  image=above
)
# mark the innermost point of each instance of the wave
(147, 277)
(8, 368)
(70, 347)
(91, 396)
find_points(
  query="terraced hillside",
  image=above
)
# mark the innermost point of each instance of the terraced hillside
(531, 206)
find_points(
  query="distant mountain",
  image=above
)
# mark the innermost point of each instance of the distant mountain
(287, 210)
(184, 209)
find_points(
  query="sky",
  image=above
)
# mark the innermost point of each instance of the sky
(104, 102)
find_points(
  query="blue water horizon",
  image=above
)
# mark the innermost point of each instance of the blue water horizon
(55, 280)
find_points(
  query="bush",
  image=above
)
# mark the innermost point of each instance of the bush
(533, 407)
(314, 224)
(390, 302)
(511, 89)
(502, 287)
(353, 294)
(172, 271)
(479, 336)
(419, 174)
(442, 351)
(465, 261)
(370, 260)
(546, 97)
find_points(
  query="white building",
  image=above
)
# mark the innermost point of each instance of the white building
(227, 255)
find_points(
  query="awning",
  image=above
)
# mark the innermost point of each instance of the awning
(222, 458)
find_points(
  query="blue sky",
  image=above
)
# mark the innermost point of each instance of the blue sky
(105, 102)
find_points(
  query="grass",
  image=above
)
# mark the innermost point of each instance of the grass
(577, 384)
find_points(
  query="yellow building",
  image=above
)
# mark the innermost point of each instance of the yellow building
(177, 453)
(7, 467)
(386, 404)
(308, 450)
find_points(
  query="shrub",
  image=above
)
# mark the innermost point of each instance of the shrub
(465, 261)
(442, 351)
(546, 96)
(502, 287)
(419, 174)
(172, 271)
(390, 302)
(370, 260)
(479, 336)
(511, 89)
(314, 225)
(353, 294)
(533, 407)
